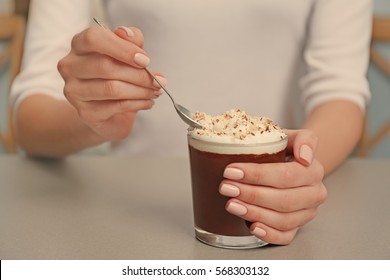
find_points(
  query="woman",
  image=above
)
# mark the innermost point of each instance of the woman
(270, 58)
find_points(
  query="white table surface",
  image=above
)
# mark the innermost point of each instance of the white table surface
(93, 207)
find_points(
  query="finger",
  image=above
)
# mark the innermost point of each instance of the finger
(131, 34)
(134, 35)
(271, 235)
(281, 200)
(103, 41)
(98, 111)
(99, 89)
(302, 144)
(97, 66)
(277, 220)
(279, 175)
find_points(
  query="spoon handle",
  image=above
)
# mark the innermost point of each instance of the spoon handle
(147, 70)
(164, 89)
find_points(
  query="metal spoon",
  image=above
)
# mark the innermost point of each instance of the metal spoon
(185, 114)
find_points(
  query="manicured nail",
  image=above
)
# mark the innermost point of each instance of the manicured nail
(128, 31)
(259, 232)
(233, 173)
(158, 92)
(162, 81)
(141, 59)
(229, 190)
(306, 154)
(236, 209)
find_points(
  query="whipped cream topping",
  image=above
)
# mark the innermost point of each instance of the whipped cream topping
(236, 127)
(229, 132)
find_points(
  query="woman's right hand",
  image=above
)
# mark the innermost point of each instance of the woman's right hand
(105, 79)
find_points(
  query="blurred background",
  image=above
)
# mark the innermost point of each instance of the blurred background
(375, 141)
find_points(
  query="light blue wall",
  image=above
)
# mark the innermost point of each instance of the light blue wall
(382, 7)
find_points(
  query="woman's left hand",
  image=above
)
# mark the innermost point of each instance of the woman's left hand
(278, 198)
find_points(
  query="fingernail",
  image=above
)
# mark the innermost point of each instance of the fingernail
(229, 190)
(141, 59)
(236, 209)
(233, 173)
(158, 92)
(259, 232)
(306, 154)
(128, 31)
(162, 81)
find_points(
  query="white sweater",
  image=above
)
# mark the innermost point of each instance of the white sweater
(276, 58)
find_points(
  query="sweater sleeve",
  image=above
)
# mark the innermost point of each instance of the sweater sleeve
(51, 26)
(337, 53)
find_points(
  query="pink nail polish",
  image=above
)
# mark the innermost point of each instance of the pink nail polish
(306, 154)
(141, 59)
(259, 232)
(236, 209)
(233, 173)
(158, 92)
(162, 81)
(229, 190)
(128, 31)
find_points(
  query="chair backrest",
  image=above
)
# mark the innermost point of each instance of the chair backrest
(12, 31)
(380, 33)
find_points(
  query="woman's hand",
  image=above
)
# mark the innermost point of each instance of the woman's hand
(105, 80)
(277, 198)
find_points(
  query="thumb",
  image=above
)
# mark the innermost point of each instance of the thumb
(303, 144)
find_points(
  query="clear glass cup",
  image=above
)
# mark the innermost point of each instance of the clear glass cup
(208, 160)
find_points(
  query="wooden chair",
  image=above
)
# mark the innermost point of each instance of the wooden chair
(380, 33)
(12, 31)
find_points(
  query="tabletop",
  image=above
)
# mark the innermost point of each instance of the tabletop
(103, 207)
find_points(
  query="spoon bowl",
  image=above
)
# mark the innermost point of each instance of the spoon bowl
(185, 114)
